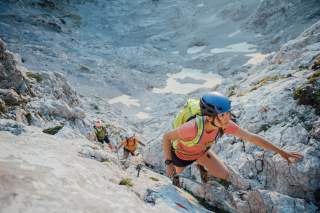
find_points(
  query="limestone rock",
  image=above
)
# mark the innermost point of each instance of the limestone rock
(10, 75)
(3, 107)
(12, 126)
(262, 201)
(11, 97)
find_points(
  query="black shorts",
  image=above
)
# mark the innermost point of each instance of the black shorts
(179, 162)
(105, 140)
(125, 150)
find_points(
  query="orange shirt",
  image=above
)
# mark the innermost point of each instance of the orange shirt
(131, 144)
(188, 132)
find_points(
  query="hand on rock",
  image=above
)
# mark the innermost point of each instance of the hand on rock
(291, 157)
(170, 170)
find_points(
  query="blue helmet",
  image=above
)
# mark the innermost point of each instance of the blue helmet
(213, 104)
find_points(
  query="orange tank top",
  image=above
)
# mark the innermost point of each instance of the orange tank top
(131, 144)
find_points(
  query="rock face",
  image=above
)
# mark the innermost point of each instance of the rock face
(63, 103)
(271, 18)
(302, 50)
(309, 92)
(56, 86)
(273, 15)
(267, 201)
(279, 187)
(35, 98)
(123, 53)
(14, 86)
(279, 117)
(49, 180)
(41, 172)
(3, 107)
(11, 97)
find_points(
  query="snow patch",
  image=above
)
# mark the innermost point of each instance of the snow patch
(256, 58)
(195, 49)
(143, 115)
(148, 108)
(126, 100)
(208, 80)
(240, 47)
(234, 34)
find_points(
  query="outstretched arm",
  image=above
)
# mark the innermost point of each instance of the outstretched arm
(262, 142)
(121, 144)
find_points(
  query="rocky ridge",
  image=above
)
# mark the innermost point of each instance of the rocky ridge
(282, 82)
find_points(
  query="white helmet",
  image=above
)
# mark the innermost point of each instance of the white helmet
(98, 124)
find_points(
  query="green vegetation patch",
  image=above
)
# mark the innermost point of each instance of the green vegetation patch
(53, 130)
(154, 178)
(308, 94)
(314, 77)
(265, 80)
(37, 76)
(316, 63)
(126, 182)
(302, 68)
(105, 161)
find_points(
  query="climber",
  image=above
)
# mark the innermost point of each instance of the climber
(130, 144)
(101, 134)
(192, 140)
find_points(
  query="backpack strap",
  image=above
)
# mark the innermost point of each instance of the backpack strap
(200, 130)
(191, 117)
